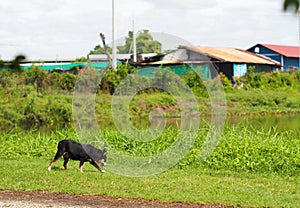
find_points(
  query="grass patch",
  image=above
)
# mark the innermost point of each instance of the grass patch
(240, 149)
(248, 168)
(186, 185)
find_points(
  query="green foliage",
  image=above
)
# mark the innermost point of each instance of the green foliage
(227, 85)
(241, 149)
(67, 81)
(112, 79)
(36, 76)
(273, 80)
(100, 50)
(1, 64)
(144, 43)
(4, 79)
(296, 76)
(34, 100)
(255, 93)
(20, 144)
(14, 66)
(253, 80)
(291, 4)
(244, 149)
(80, 60)
(208, 188)
(32, 118)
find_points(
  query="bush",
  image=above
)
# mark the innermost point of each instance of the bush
(67, 81)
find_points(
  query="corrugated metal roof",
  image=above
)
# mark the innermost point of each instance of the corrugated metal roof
(44, 59)
(288, 51)
(103, 57)
(174, 62)
(52, 66)
(232, 55)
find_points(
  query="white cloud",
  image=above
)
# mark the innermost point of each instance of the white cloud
(71, 27)
(183, 5)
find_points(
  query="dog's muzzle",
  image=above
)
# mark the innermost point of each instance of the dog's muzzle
(102, 162)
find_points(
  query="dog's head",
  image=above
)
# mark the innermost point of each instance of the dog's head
(102, 157)
(96, 154)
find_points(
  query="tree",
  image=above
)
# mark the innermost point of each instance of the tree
(13, 66)
(291, 4)
(144, 43)
(99, 50)
(1, 64)
(80, 60)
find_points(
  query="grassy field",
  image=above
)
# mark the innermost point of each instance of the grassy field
(248, 168)
(186, 185)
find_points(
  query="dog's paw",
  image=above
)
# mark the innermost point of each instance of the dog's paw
(103, 171)
(49, 168)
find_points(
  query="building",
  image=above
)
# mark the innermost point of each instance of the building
(230, 61)
(287, 56)
(120, 57)
(104, 58)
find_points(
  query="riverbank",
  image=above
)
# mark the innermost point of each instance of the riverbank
(248, 167)
(54, 110)
(34, 99)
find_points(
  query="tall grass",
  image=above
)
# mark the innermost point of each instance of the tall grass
(241, 149)
(250, 150)
(22, 144)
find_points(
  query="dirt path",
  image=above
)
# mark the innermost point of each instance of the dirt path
(44, 199)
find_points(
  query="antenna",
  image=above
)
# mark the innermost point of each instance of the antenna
(114, 47)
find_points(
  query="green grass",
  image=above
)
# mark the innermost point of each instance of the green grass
(185, 185)
(249, 167)
(260, 102)
(241, 148)
(53, 110)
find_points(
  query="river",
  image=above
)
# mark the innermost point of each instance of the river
(280, 122)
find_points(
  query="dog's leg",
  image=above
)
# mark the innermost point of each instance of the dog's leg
(58, 154)
(96, 166)
(66, 160)
(51, 164)
(81, 165)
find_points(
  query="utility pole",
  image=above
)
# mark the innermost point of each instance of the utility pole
(114, 47)
(298, 13)
(134, 42)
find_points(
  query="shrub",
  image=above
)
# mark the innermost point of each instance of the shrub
(67, 81)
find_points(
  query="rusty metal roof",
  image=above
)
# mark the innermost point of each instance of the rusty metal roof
(232, 55)
(288, 51)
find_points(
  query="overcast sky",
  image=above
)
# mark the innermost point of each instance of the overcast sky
(51, 28)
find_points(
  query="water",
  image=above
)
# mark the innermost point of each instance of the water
(280, 122)
(265, 122)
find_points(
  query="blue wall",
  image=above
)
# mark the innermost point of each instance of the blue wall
(288, 62)
(291, 62)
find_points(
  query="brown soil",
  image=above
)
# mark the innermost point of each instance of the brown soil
(49, 199)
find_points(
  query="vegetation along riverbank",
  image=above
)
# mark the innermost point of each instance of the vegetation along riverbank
(33, 98)
(249, 167)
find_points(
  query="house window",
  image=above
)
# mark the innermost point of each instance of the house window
(257, 50)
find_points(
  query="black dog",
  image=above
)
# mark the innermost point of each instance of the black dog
(70, 149)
